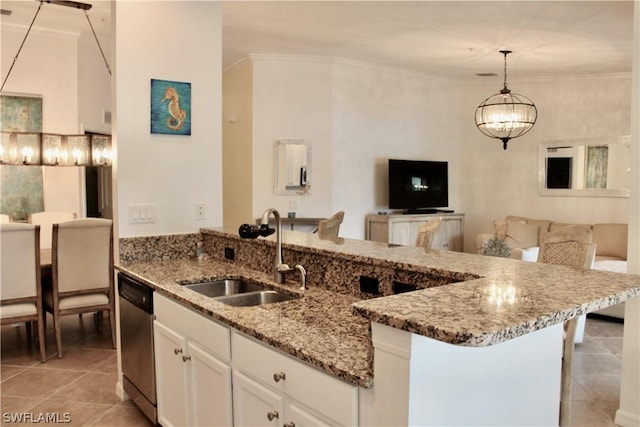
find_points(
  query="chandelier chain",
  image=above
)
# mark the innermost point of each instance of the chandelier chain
(106, 63)
(505, 70)
(21, 45)
(98, 42)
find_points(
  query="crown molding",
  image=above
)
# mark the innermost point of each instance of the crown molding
(260, 57)
(342, 61)
(41, 30)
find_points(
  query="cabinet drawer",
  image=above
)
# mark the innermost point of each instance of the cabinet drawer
(205, 331)
(319, 391)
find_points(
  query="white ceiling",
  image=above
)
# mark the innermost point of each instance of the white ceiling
(453, 39)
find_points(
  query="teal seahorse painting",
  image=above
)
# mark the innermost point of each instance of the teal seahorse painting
(170, 107)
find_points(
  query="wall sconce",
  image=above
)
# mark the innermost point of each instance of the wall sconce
(49, 149)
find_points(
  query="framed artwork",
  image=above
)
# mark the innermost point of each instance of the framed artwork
(597, 159)
(22, 189)
(170, 107)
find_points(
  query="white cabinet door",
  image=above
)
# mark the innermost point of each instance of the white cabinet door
(170, 377)
(449, 235)
(254, 404)
(298, 416)
(441, 236)
(403, 230)
(210, 382)
(400, 233)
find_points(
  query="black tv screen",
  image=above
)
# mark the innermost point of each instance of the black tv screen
(418, 185)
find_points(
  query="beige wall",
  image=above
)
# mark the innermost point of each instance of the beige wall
(181, 41)
(356, 115)
(496, 183)
(381, 113)
(375, 113)
(57, 53)
(237, 129)
(629, 412)
(292, 100)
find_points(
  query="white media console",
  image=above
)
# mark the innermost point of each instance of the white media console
(402, 229)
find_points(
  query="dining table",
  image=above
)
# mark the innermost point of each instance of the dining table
(45, 265)
(45, 258)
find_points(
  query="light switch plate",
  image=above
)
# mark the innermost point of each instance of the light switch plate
(142, 214)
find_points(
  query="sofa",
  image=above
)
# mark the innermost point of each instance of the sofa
(523, 234)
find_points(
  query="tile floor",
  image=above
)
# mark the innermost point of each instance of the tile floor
(596, 375)
(82, 383)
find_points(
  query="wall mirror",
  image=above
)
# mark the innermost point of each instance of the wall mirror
(590, 167)
(292, 166)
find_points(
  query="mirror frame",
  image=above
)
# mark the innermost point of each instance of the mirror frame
(589, 192)
(301, 190)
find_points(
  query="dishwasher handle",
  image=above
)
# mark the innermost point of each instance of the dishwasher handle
(136, 293)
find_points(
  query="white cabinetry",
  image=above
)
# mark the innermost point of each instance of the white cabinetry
(403, 229)
(195, 376)
(272, 388)
(254, 404)
(192, 367)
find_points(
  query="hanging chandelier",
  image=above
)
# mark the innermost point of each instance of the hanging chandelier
(506, 115)
(48, 149)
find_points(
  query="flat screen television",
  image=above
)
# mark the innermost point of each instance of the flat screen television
(418, 186)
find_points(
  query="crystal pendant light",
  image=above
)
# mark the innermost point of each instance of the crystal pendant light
(506, 115)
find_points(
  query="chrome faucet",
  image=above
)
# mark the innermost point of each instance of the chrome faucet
(279, 267)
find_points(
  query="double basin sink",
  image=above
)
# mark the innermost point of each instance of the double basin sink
(238, 292)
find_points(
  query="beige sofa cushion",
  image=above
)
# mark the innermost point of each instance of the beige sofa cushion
(522, 235)
(555, 226)
(500, 228)
(543, 223)
(611, 240)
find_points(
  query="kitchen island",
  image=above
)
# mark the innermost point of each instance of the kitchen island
(496, 322)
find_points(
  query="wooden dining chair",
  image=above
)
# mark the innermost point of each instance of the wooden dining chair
(572, 247)
(330, 227)
(426, 231)
(46, 220)
(82, 272)
(20, 285)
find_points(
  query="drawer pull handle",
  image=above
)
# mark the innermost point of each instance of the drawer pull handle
(177, 351)
(289, 424)
(271, 415)
(186, 357)
(279, 376)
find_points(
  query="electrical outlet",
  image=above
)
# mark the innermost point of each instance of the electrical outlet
(370, 285)
(200, 211)
(399, 287)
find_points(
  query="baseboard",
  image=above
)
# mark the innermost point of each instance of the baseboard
(605, 317)
(627, 419)
(120, 391)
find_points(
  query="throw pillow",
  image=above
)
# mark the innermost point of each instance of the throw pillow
(522, 235)
(500, 228)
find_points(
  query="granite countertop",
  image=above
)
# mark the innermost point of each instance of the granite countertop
(495, 300)
(319, 328)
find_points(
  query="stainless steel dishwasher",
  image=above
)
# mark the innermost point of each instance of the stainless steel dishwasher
(136, 339)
